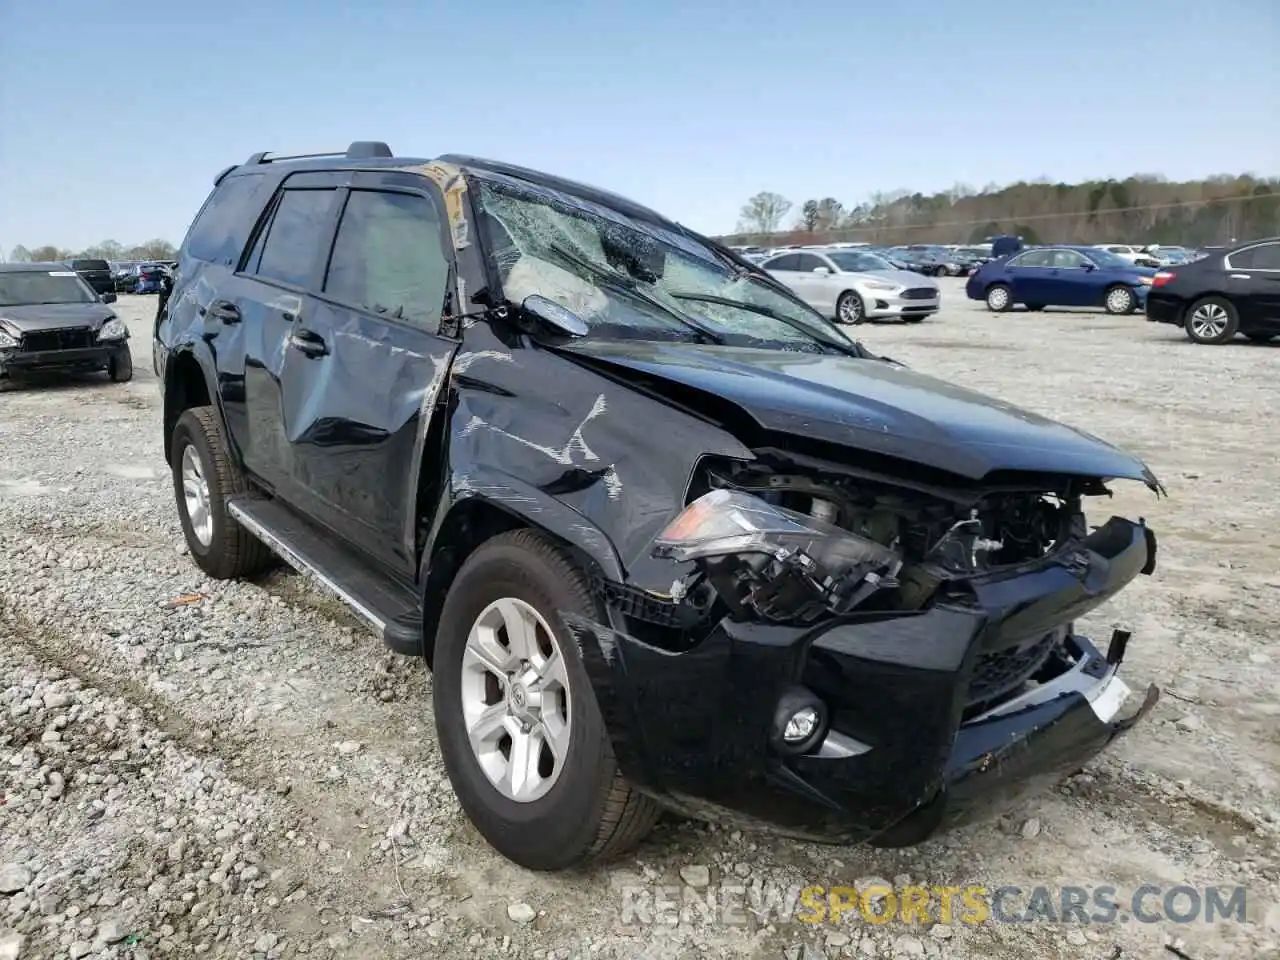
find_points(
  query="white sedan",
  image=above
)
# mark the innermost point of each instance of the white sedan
(855, 285)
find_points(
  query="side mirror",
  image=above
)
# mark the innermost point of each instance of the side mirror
(551, 313)
(108, 298)
(825, 271)
(1089, 265)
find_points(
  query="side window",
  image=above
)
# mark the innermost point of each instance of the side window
(293, 237)
(807, 263)
(389, 257)
(223, 223)
(1265, 256)
(1035, 258)
(1066, 259)
(785, 262)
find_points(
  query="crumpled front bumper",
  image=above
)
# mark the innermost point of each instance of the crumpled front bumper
(97, 356)
(908, 750)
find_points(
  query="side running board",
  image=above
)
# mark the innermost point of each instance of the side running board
(388, 606)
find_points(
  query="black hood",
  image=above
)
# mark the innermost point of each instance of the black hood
(34, 317)
(874, 406)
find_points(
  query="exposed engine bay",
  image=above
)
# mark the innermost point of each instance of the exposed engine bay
(864, 544)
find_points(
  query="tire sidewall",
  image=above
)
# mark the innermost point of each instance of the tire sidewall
(186, 433)
(120, 367)
(560, 827)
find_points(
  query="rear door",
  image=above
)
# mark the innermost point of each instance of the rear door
(1253, 279)
(365, 362)
(258, 306)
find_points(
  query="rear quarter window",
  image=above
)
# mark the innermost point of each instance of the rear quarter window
(220, 229)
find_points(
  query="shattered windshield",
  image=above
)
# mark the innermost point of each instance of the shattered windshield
(628, 278)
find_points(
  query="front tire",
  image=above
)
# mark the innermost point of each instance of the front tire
(204, 478)
(120, 366)
(1120, 300)
(850, 308)
(999, 298)
(520, 732)
(1212, 320)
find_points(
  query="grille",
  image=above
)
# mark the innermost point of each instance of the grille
(919, 293)
(74, 339)
(1001, 671)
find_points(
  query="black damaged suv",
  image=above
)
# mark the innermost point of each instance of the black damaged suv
(665, 536)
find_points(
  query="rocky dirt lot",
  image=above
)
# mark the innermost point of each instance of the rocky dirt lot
(190, 768)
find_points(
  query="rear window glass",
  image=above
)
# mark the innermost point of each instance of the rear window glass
(89, 265)
(223, 224)
(294, 235)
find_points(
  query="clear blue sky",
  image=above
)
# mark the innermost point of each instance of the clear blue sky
(115, 117)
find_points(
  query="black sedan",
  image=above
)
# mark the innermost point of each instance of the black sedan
(51, 319)
(1223, 294)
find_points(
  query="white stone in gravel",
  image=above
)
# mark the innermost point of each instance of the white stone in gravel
(81, 948)
(13, 877)
(11, 944)
(111, 930)
(941, 931)
(57, 699)
(909, 947)
(1031, 829)
(348, 748)
(519, 913)
(1190, 723)
(266, 943)
(695, 875)
(1076, 938)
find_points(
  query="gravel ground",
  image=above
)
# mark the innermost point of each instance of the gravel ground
(190, 768)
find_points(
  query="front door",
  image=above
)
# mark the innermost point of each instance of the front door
(1072, 282)
(366, 364)
(259, 306)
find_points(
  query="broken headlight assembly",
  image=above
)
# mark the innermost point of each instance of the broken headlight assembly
(775, 563)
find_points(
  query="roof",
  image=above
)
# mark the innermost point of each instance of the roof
(25, 267)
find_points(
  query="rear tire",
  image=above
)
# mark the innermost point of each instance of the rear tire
(579, 808)
(1212, 320)
(1119, 300)
(999, 298)
(219, 545)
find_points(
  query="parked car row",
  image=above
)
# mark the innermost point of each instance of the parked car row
(1213, 296)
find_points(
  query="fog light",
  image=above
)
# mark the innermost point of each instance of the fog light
(799, 721)
(801, 725)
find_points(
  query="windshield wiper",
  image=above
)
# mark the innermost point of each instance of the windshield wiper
(853, 347)
(613, 280)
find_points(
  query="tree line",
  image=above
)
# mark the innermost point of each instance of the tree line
(106, 250)
(1144, 208)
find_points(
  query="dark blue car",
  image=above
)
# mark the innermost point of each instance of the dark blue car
(1061, 276)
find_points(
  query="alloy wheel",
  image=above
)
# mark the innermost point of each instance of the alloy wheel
(195, 494)
(1209, 321)
(515, 700)
(850, 309)
(998, 298)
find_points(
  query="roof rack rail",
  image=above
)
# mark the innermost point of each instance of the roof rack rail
(359, 150)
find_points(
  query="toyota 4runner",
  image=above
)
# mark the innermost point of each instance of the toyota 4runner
(665, 536)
